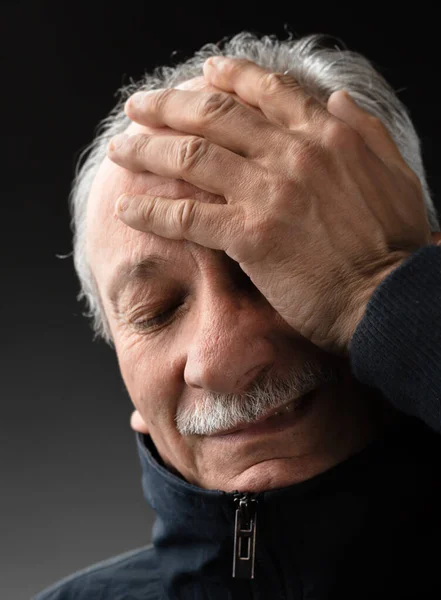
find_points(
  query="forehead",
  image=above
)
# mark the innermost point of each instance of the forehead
(109, 241)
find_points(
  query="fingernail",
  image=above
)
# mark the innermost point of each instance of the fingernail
(217, 61)
(137, 98)
(122, 204)
(117, 141)
(347, 96)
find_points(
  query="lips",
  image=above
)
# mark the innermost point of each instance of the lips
(275, 414)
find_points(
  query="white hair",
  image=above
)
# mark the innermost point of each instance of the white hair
(319, 69)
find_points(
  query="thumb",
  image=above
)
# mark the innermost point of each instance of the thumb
(137, 423)
(371, 129)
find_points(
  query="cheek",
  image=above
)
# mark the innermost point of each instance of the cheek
(155, 388)
(151, 382)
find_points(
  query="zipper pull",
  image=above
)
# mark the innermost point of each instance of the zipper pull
(244, 536)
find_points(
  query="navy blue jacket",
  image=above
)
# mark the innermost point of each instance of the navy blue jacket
(367, 528)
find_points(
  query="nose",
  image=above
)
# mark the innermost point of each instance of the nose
(230, 345)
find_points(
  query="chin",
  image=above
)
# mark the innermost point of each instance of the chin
(273, 474)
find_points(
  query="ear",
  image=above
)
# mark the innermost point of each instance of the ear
(436, 238)
(137, 423)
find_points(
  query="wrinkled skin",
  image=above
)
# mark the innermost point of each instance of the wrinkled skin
(226, 337)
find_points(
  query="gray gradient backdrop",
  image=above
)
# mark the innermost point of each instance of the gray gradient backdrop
(70, 477)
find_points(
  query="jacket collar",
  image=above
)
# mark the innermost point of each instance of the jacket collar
(193, 535)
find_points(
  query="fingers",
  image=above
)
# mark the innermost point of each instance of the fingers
(279, 96)
(191, 158)
(214, 226)
(371, 129)
(216, 116)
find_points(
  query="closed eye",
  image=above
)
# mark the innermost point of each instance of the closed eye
(160, 319)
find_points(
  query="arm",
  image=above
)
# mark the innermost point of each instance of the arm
(396, 347)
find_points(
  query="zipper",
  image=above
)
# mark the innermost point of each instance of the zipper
(244, 552)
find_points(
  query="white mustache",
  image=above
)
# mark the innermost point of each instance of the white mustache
(215, 413)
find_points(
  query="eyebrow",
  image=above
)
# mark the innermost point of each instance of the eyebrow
(129, 272)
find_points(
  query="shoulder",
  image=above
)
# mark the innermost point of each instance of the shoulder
(133, 572)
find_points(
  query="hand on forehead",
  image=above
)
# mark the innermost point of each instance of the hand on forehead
(117, 180)
(145, 182)
(113, 180)
(197, 84)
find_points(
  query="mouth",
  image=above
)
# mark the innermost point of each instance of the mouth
(276, 418)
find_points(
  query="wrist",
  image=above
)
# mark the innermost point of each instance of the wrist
(361, 299)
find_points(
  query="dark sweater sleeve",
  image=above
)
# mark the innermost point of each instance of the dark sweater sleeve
(396, 347)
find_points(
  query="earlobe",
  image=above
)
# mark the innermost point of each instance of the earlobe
(137, 423)
(436, 238)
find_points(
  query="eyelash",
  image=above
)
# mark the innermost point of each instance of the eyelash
(159, 319)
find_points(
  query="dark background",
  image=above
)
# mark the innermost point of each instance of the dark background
(70, 480)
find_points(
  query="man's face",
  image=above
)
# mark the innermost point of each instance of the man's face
(217, 340)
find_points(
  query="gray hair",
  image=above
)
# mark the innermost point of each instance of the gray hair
(319, 69)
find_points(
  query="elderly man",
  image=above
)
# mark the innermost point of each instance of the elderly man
(261, 251)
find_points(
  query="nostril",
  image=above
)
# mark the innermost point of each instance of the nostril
(250, 376)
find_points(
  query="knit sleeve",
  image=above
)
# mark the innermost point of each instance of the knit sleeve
(396, 347)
